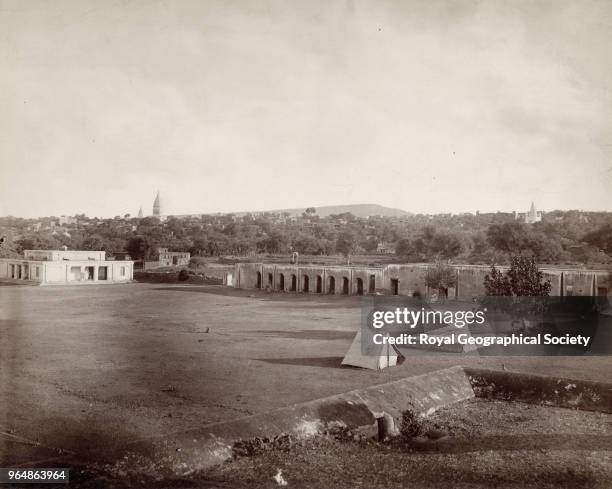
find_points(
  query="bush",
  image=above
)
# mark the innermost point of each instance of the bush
(183, 275)
(411, 425)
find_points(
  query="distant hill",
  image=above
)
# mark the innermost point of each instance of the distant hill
(359, 210)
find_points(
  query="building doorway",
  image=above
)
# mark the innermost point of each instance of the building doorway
(359, 286)
(345, 285)
(89, 273)
(305, 284)
(319, 284)
(293, 283)
(331, 289)
(372, 285)
(394, 286)
(270, 280)
(103, 273)
(281, 282)
(259, 280)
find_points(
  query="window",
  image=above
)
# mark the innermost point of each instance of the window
(37, 272)
(122, 271)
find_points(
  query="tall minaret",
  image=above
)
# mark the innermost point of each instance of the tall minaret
(157, 211)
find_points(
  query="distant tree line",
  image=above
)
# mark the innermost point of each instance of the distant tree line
(562, 236)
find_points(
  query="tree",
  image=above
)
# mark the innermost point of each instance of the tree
(8, 249)
(94, 242)
(526, 279)
(601, 238)
(137, 247)
(199, 246)
(508, 237)
(274, 243)
(525, 285)
(523, 278)
(404, 248)
(370, 244)
(497, 283)
(441, 277)
(445, 244)
(346, 243)
(305, 244)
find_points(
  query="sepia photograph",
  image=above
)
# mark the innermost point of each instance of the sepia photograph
(306, 244)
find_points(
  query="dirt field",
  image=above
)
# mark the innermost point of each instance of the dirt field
(486, 444)
(91, 366)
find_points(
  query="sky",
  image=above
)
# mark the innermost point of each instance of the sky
(428, 106)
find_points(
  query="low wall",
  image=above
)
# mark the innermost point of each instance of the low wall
(172, 277)
(189, 451)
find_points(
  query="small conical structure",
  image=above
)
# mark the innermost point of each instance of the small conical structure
(378, 357)
(140, 212)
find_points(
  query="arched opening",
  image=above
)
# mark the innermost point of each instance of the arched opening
(305, 284)
(281, 282)
(394, 286)
(359, 283)
(259, 280)
(270, 280)
(372, 285)
(331, 289)
(345, 285)
(319, 284)
(293, 282)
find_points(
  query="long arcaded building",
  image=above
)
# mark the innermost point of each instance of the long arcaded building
(406, 280)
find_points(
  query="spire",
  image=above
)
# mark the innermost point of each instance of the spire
(157, 206)
(532, 210)
(532, 215)
(140, 212)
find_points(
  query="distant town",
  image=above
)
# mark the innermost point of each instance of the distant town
(559, 237)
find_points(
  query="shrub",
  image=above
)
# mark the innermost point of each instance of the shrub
(411, 424)
(183, 275)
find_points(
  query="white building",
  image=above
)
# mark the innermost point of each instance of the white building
(47, 267)
(530, 217)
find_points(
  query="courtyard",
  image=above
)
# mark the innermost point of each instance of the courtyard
(85, 367)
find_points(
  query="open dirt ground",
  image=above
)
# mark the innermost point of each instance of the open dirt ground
(97, 366)
(487, 444)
